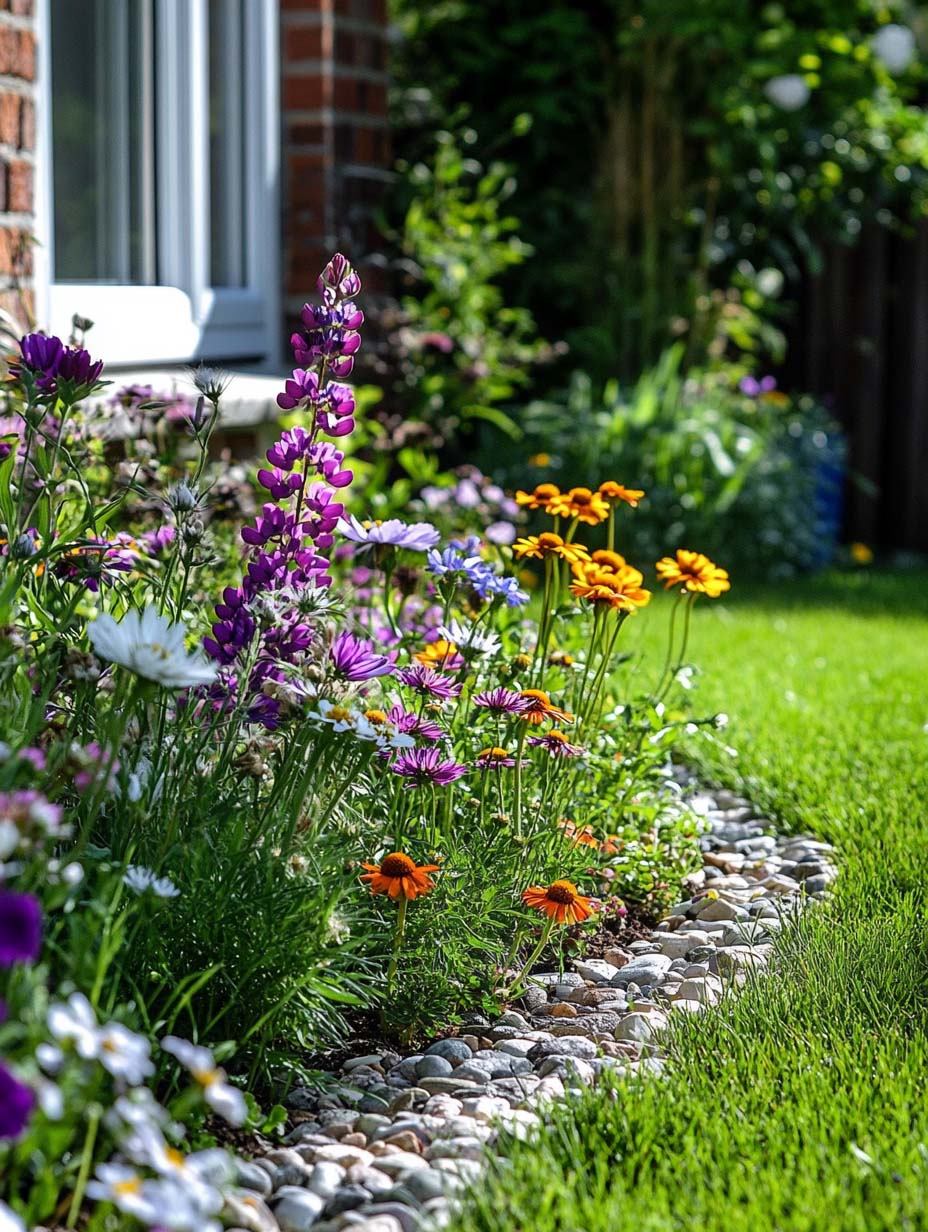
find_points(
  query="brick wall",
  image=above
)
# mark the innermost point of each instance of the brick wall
(17, 156)
(335, 137)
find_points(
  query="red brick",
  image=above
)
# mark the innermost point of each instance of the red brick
(299, 133)
(346, 93)
(303, 93)
(10, 106)
(302, 43)
(15, 252)
(19, 187)
(17, 53)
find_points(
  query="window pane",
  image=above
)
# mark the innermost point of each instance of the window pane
(103, 148)
(227, 70)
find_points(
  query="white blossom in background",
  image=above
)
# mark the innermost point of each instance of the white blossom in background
(124, 1054)
(218, 1092)
(788, 91)
(894, 46)
(142, 880)
(9, 1222)
(75, 1022)
(151, 647)
(158, 1203)
(470, 637)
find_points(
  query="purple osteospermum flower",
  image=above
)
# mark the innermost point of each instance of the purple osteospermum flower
(412, 724)
(557, 745)
(16, 1104)
(356, 659)
(424, 767)
(504, 701)
(158, 541)
(419, 536)
(76, 366)
(41, 355)
(20, 928)
(425, 680)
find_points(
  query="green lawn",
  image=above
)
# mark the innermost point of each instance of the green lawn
(801, 1104)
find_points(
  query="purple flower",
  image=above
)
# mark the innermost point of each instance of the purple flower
(158, 541)
(503, 701)
(41, 355)
(20, 928)
(338, 280)
(501, 533)
(77, 367)
(424, 767)
(16, 1104)
(412, 724)
(425, 680)
(753, 388)
(418, 536)
(557, 745)
(356, 659)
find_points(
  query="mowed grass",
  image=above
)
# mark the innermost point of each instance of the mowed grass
(801, 1103)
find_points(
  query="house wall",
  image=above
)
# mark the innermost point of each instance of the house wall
(17, 157)
(336, 151)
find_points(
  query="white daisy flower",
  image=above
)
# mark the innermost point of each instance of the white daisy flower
(199, 1062)
(143, 879)
(471, 638)
(10, 1222)
(199, 1172)
(124, 1054)
(75, 1022)
(153, 648)
(340, 718)
(125, 1189)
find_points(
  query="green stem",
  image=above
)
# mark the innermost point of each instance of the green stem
(532, 958)
(517, 805)
(397, 944)
(86, 1164)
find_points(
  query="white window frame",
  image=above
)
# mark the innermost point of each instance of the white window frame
(183, 319)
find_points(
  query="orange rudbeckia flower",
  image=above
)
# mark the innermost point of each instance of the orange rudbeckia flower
(541, 707)
(694, 572)
(550, 544)
(442, 655)
(539, 497)
(579, 503)
(615, 493)
(399, 876)
(619, 589)
(560, 901)
(608, 560)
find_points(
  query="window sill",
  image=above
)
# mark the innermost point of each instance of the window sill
(249, 400)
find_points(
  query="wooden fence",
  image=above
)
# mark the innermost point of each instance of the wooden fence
(861, 339)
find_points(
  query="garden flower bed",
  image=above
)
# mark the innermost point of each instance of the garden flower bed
(386, 781)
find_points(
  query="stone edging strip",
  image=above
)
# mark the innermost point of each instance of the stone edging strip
(394, 1142)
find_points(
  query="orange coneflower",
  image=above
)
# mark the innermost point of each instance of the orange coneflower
(550, 544)
(615, 493)
(560, 901)
(579, 503)
(540, 708)
(694, 572)
(580, 836)
(399, 876)
(539, 497)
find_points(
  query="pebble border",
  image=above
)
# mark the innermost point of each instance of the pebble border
(397, 1139)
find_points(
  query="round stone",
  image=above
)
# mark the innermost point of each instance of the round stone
(453, 1050)
(434, 1066)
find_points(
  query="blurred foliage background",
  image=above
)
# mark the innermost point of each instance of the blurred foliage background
(602, 223)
